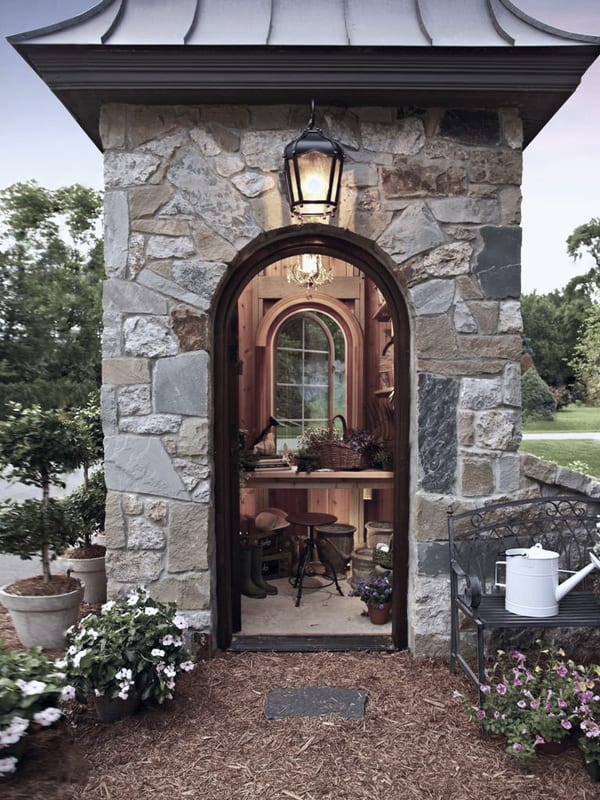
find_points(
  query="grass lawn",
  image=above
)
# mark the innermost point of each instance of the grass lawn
(572, 419)
(565, 451)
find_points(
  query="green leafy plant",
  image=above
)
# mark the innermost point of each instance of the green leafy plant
(376, 592)
(31, 687)
(134, 644)
(536, 397)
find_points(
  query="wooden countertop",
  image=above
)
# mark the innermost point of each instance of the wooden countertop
(320, 479)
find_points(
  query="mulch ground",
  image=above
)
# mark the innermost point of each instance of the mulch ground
(213, 742)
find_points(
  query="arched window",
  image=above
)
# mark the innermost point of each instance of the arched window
(309, 374)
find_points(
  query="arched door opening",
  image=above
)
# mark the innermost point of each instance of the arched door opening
(255, 374)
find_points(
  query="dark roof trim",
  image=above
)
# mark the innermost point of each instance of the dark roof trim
(535, 80)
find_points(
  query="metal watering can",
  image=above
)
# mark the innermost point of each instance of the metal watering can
(532, 587)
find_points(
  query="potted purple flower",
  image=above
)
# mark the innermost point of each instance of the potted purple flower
(377, 595)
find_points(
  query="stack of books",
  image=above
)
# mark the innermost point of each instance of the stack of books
(271, 462)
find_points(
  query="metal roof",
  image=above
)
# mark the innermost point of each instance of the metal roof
(344, 52)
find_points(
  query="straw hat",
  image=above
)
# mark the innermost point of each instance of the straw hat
(271, 519)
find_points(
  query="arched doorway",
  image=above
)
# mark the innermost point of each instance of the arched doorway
(267, 249)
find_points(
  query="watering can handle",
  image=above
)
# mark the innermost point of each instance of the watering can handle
(496, 581)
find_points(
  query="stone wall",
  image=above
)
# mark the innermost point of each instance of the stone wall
(437, 192)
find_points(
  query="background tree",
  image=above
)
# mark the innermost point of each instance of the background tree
(584, 238)
(586, 358)
(51, 271)
(552, 324)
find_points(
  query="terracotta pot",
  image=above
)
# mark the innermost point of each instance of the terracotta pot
(379, 616)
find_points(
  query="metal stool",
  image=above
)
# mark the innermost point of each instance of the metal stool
(310, 519)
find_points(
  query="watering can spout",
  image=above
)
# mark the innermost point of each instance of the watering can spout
(566, 586)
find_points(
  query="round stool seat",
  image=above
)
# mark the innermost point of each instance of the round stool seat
(310, 518)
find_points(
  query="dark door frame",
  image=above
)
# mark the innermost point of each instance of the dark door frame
(266, 249)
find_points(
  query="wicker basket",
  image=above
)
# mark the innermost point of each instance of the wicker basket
(338, 455)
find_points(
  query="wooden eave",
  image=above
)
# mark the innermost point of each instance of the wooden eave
(535, 80)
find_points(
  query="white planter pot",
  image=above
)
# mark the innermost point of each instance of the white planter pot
(42, 620)
(91, 572)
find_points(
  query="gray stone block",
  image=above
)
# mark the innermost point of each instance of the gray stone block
(433, 297)
(116, 233)
(140, 464)
(432, 558)
(148, 337)
(438, 399)
(180, 385)
(498, 265)
(414, 231)
(126, 296)
(316, 701)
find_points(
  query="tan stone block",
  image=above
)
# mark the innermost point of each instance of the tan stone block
(430, 516)
(510, 205)
(162, 268)
(156, 510)
(448, 260)
(512, 128)
(485, 314)
(507, 345)
(188, 537)
(148, 122)
(538, 469)
(189, 592)
(122, 371)
(164, 227)
(211, 246)
(466, 428)
(192, 329)
(114, 525)
(461, 366)
(435, 337)
(144, 201)
(138, 567)
(468, 288)
(482, 190)
(476, 477)
(132, 504)
(112, 126)
(496, 166)
(421, 177)
(193, 437)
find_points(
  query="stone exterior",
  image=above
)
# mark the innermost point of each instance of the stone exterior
(186, 189)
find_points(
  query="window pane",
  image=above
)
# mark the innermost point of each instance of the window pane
(316, 369)
(315, 337)
(316, 404)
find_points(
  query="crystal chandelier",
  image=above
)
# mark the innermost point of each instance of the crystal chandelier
(309, 273)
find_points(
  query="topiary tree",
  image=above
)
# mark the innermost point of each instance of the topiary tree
(36, 447)
(537, 399)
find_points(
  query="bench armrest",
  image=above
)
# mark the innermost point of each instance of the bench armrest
(471, 595)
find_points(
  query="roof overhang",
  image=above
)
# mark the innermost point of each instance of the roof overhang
(535, 80)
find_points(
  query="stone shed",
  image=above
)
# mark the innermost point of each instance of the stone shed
(192, 103)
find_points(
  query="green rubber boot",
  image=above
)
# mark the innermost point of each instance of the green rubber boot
(257, 573)
(248, 587)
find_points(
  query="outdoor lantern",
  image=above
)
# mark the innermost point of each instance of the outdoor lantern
(313, 172)
(309, 273)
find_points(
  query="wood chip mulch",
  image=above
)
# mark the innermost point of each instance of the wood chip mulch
(212, 742)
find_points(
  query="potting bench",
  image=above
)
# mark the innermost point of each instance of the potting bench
(480, 537)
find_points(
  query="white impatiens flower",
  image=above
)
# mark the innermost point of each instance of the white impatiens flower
(78, 656)
(124, 693)
(157, 652)
(124, 674)
(179, 622)
(133, 599)
(168, 640)
(29, 688)
(8, 764)
(170, 671)
(150, 611)
(68, 693)
(14, 732)
(60, 663)
(186, 666)
(107, 606)
(48, 716)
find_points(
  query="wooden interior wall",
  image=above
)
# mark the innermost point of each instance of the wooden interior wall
(363, 300)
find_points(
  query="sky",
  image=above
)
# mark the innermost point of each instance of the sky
(561, 180)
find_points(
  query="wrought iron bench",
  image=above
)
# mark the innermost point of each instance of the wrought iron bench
(480, 537)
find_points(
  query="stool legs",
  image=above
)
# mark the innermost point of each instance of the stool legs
(306, 556)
